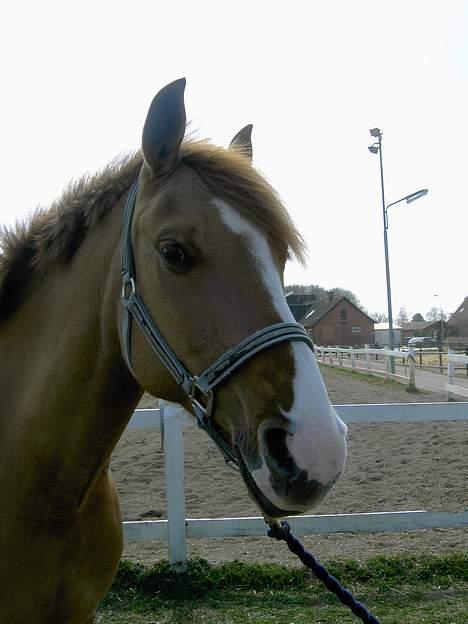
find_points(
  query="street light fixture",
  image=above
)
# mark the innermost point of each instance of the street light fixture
(414, 196)
(408, 198)
(374, 149)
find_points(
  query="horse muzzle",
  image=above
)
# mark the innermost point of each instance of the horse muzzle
(295, 468)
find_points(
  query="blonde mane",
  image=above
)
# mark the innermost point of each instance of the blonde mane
(229, 174)
(53, 235)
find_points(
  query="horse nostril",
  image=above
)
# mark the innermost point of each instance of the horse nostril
(275, 442)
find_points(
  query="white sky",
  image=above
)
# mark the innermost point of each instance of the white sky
(313, 77)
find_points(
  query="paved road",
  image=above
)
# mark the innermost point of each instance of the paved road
(425, 380)
(428, 380)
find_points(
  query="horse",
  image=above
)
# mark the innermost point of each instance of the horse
(161, 273)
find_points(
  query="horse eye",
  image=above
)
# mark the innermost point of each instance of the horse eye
(174, 256)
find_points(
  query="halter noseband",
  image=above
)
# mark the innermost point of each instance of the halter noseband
(198, 388)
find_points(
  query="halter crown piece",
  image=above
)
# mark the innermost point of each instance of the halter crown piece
(199, 388)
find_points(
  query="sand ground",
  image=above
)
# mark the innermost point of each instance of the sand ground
(390, 467)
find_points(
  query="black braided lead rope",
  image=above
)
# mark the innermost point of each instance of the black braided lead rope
(283, 532)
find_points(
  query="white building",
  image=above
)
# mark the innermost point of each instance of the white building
(382, 335)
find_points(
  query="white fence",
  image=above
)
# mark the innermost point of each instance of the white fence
(450, 386)
(407, 357)
(177, 528)
(349, 356)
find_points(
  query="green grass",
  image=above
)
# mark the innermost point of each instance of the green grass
(376, 380)
(424, 589)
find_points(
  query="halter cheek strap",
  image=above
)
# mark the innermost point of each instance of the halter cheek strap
(198, 388)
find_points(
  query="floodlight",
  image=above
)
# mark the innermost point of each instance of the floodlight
(373, 148)
(375, 132)
(414, 196)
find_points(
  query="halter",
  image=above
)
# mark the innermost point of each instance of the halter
(198, 388)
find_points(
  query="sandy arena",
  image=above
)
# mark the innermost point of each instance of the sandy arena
(391, 467)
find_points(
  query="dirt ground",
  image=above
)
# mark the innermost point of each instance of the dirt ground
(391, 467)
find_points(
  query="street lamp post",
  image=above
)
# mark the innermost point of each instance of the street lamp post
(376, 148)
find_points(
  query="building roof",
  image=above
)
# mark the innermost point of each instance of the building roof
(316, 310)
(418, 325)
(461, 313)
(300, 304)
(384, 327)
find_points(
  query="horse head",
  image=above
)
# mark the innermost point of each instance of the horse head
(209, 242)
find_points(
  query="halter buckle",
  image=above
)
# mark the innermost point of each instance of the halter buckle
(202, 411)
(127, 282)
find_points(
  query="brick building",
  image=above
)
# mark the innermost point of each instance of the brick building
(422, 328)
(337, 321)
(457, 325)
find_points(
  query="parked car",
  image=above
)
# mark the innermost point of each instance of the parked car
(423, 341)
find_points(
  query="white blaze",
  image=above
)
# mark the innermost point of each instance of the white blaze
(261, 254)
(315, 426)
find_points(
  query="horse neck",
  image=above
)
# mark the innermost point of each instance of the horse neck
(66, 394)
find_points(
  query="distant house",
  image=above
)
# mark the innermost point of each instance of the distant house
(336, 321)
(457, 325)
(382, 335)
(421, 328)
(300, 304)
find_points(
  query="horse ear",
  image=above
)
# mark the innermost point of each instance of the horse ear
(243, 139)
(164, 128)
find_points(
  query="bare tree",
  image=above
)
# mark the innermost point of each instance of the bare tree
(434, 314)
(322, 294)
(402, 317)
(379, 317)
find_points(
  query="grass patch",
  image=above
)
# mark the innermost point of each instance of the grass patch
(376, 380)
(401, 588)
(202, 577)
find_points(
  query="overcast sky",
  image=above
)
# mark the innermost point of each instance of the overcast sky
(313, 77)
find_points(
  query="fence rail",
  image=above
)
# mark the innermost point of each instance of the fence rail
(338, 355)
(177, 528)
(450, 386)
(407, 357)
(387, 522)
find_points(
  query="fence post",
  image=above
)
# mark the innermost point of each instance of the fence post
(353, 361)
(412, 369)
(450, 368)
(330, 356)
(174, 469)
(368, 366)
(340, 357)
(450, 373)
(388, 366)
